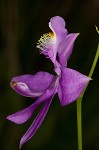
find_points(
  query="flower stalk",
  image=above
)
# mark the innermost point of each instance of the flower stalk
(79, 101)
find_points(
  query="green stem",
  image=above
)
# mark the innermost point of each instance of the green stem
(79, 123)
(79, 103)
(94, 62)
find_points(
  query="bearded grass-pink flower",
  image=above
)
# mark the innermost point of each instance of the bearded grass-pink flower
(68, 83)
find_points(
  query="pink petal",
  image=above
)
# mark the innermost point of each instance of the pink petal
(39, 118)
(23, 115)
(57, 25)
(36, 123)
(71, 85)
(66, 47)
(32, 85)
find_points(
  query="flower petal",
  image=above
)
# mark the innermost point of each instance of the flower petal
(36, 124)
(39, 118)
(57, 25)
(66, 47)
(49, 42)
(71, 85)
(32, 85)
(23, 115)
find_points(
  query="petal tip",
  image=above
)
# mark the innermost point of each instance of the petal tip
(13, 119)
(21, 144)
(57, 23)
(9, 118)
